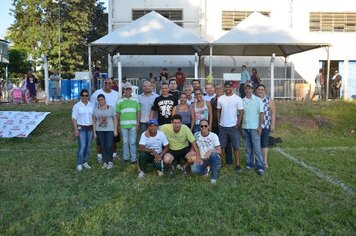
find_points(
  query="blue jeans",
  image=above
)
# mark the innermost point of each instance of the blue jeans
(106, 139)
(252, 143)
(213, 162)
(84, 143)
(129, 143)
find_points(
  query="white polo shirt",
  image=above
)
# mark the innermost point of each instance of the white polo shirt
(82, 113)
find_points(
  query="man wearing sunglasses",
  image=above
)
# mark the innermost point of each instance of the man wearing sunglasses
(210, 150)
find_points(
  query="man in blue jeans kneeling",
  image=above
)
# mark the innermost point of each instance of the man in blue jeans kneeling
(210, 150)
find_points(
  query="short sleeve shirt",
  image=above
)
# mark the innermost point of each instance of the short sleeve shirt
(252, 109)
(164, 107)
(180, 140)
(104, 119)
(154, 143)
(83, 114)
(229, 106)
(207, 143)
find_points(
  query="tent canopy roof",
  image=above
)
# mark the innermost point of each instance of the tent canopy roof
(151, 34)
(258, 35)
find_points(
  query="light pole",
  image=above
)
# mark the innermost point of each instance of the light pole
(59, 36)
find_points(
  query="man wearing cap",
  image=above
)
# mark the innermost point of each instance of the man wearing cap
(111, 98)
(230, 114)
(128, 113)
(153, 146)
(252, 128)
(179, 137)
(335, 85)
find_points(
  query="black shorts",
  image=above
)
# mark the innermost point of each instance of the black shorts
(179, 154)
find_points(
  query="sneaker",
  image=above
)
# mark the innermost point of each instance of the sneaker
(207, 171)
(261, 172)
(238, 168)
(100, 159)
(179, 167)
(86, 166)
(114, 156)
(171, 169)
(79, 168)
(141, 174)
(248, 167)
(105, 166)
(213, 181)
(266, 166)
(160, 173)
(110, 165)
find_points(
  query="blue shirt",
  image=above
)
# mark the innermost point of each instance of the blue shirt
(252, 109)
(244, 76)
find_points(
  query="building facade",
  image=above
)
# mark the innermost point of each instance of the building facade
(329, 20)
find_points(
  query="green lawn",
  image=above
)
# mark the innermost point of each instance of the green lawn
(42, 193)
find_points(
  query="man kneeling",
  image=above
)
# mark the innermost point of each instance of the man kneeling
(150, 148)
(179, 137)
(209, 147)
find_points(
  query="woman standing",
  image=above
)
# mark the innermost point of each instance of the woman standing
(31, 82)
(105, 128)
(83, 129)
(185, 110)
(269, 115)
(202, 110)
(255, 78)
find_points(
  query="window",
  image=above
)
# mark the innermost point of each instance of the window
(332, 21)
(175, 15)
(231, 18)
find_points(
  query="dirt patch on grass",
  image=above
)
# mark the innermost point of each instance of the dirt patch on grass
(305, 122)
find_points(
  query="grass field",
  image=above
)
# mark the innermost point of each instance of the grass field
(42, 193)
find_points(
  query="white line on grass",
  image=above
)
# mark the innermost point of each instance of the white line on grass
(320, 148)
(317, 172)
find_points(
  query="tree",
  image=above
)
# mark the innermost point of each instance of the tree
(18, 62)
(60, 29)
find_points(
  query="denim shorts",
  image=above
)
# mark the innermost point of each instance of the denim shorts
(229, 133)
(264, 138)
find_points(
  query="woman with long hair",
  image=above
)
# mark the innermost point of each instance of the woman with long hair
(202, 110)
(185, 110)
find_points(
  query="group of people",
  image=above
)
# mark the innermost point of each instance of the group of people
(320, 82)
(190, 129)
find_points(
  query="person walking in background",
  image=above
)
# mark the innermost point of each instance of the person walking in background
(153, 146)
(245, 76)
(336, 85)
(202, 110)
(180, 78)
(209, 147)
(255, 78)
(128, 113)
(230, 115)
(31, 83)
(252, 129)
(55, 86)
(146, 100)
(269, 120)
(185, 110)
(105, 128)
(82, 122)
(318, 87)
(163, 105)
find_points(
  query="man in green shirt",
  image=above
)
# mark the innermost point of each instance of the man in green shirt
(179, 137)
(128, 113)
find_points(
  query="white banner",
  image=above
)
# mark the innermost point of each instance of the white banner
(19, 123)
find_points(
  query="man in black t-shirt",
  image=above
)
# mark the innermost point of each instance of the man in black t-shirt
(164, 106)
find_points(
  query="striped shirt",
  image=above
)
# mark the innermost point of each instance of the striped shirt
(128, 108)
(266, 113)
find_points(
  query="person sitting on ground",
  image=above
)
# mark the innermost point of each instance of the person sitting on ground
(150, 148)
(209, 147)
(179, 137)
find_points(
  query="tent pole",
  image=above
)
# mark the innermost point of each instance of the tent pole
(7, 82)
(211, 60)
(119, 73)
(44, 58)
(345, 79)
(90, 71)
(327, 74)
(196, 59)
(292, 77)
(272, 75)
(110, 69)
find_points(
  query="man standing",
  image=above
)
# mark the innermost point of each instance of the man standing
(96, 78)
(173, 89)
(252, 128)
(336, 85)
(209, 147)
(128, 114)
(164, 106)
(318, 85)
(111, 98)
(230, 114)
(55, 87)
(179, 137)
(153, 146)
(146, 100)
(245, 76)
(180, 77)
(209, 88)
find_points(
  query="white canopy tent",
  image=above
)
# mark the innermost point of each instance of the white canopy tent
(259, 35)
(151, 34)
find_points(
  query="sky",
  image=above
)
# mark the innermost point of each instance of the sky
(6, 19)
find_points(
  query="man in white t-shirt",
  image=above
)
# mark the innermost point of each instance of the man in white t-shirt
(230, 114)
(111, 97)
(153, 146)
(209, 148)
